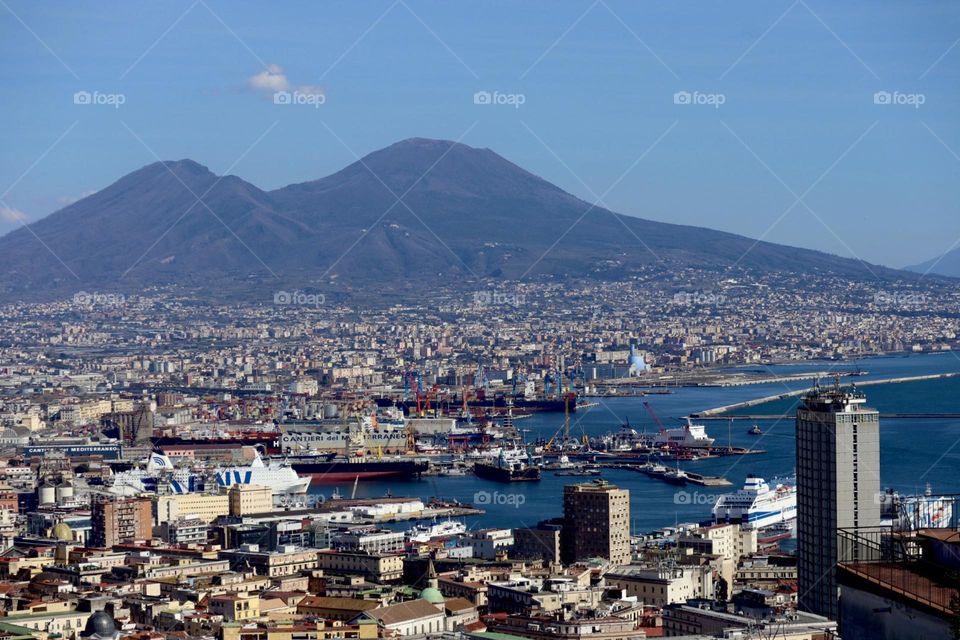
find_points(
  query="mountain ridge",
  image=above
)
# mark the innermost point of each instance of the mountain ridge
(464, 213)
(946, 264)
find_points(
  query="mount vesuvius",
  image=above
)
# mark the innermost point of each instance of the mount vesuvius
(417, 209)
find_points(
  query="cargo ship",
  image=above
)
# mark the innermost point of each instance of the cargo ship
(268, 440)
(507, 471)
(454, 404)
(332, 468)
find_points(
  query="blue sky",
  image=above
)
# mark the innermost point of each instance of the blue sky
(799, 152)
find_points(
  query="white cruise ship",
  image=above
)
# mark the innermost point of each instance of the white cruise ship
(423, 533)
(279, 477)
(690, 436)
(756, 505)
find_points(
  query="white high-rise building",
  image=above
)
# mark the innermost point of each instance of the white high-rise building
(838, 484)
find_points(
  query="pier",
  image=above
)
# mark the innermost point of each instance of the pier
(689, 477)
(715, 413)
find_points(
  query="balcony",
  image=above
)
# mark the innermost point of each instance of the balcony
(901, 563)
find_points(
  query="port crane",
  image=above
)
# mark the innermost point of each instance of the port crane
(654, 416)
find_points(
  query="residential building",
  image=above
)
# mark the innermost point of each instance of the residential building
(374, 566)
(540, 542)
(287, 560)
(663, 585)
(235, 607)
(596, 523)
(838, 486)
(206, 507)
(247, 499)
(120, 520)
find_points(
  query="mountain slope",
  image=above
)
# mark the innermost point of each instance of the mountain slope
(464, 212)
(947, 264)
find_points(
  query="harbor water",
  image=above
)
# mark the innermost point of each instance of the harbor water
(914, 451)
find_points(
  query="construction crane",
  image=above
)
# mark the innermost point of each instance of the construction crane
(653, 414)
(412, 381)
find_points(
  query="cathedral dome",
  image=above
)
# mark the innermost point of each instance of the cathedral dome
(100, 625)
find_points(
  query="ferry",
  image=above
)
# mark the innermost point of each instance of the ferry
(757, 505)
(425, 533)
(157, 474)
(690, 436)
(279, 477)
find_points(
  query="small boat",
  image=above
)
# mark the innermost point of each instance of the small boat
(422, 533)
(755, 430)
(585, 470)
(675, 476)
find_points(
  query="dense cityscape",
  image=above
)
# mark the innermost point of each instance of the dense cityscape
(540, 320)
(168, 463)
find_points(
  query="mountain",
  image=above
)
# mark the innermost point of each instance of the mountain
(465, 213)
(947, 264)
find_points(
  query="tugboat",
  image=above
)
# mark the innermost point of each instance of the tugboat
(503, 471)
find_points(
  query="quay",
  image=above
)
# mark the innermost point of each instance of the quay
(426, 514)
(746, 404)
(689, 477)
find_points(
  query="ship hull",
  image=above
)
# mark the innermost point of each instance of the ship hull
(519, 404)
(336, 471)
(501, 474)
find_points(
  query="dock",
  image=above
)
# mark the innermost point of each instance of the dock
(690, 477)
(427, 514)
(718, 412)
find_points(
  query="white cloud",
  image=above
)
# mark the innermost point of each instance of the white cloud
(273, 79)
(270, 79)
(9, 214)
(67, 200)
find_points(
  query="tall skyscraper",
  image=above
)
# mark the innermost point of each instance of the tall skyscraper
(596, 523)
(838, 481)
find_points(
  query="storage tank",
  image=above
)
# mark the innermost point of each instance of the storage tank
(47, 493)
(330, 410)
(64, 491)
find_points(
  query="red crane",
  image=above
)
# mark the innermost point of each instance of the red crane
(646, 405)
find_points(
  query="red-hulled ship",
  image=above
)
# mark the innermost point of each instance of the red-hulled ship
(333, 468)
